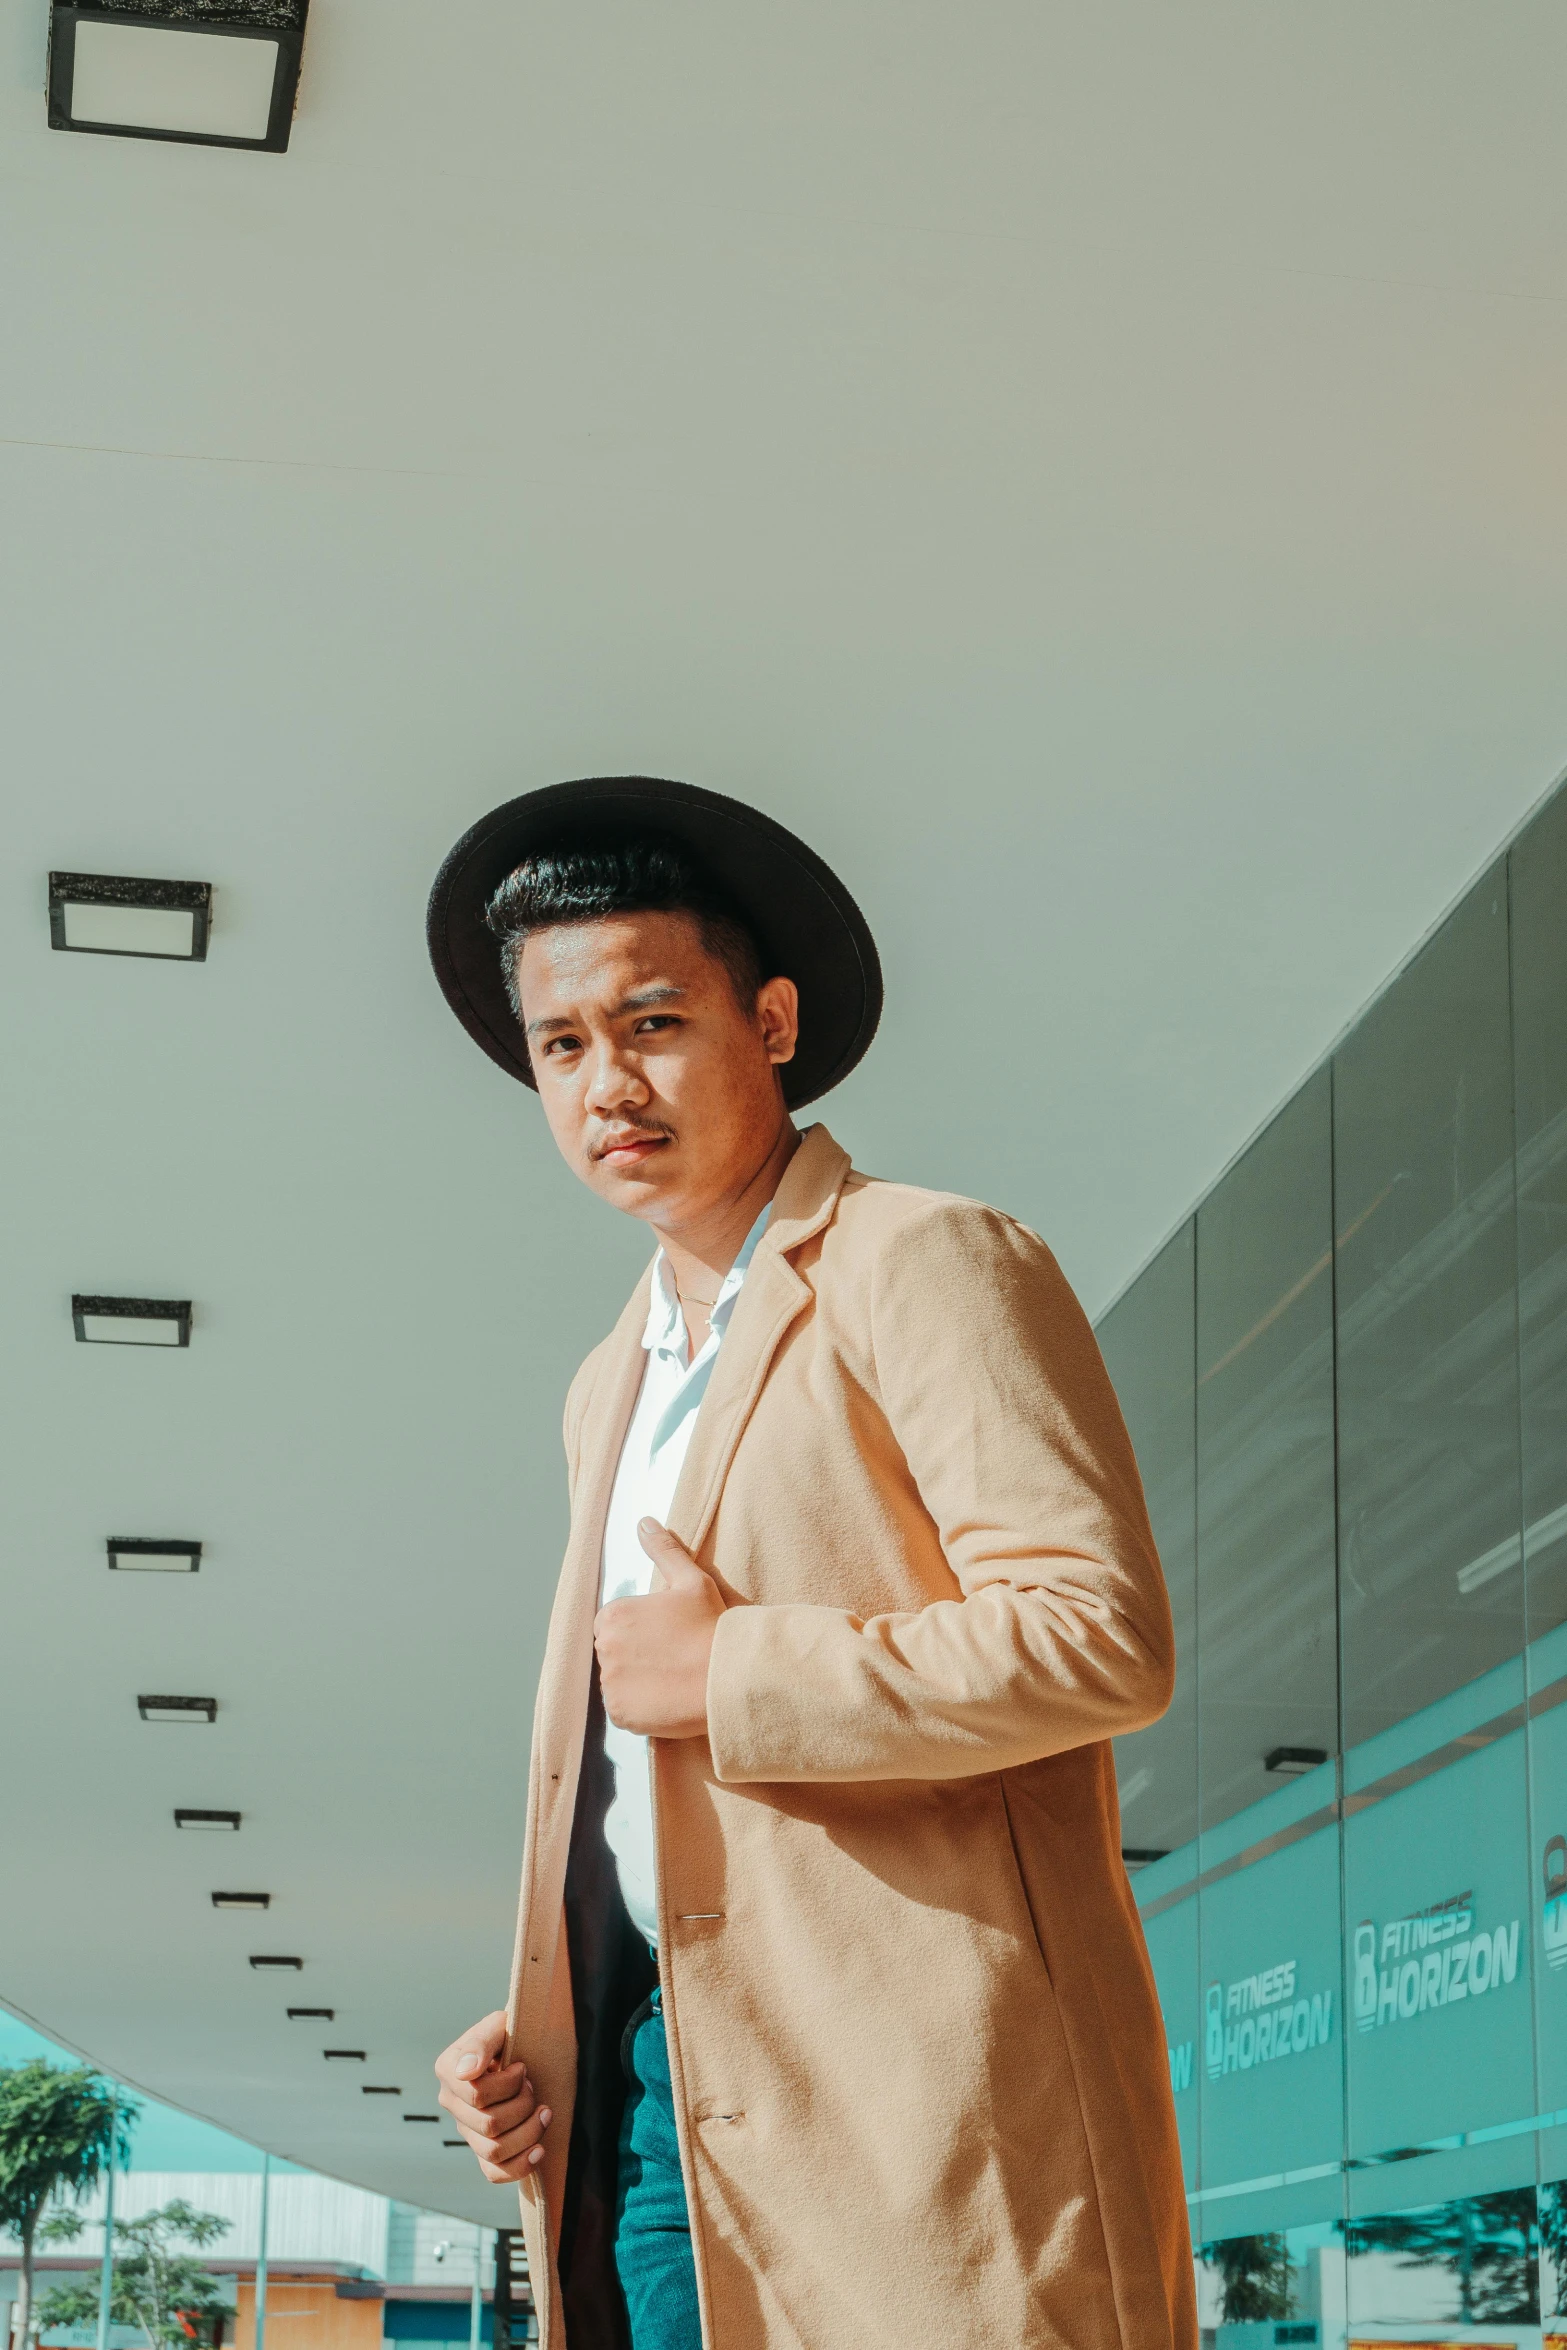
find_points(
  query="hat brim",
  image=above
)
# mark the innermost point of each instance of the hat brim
(808, 927)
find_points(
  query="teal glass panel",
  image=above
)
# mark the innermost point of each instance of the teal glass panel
(1437, 1911)
(1266, 1497)
(1431, 1589)
(1539, 939)
(1539, 927)
(1548, 1887)
(1148, 1339)
(1272, 2049)
(1172, 1946)
(1441, 2074)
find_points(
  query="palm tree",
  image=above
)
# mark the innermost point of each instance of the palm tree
(59, 2126)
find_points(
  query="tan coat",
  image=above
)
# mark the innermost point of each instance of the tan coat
(920, 2070)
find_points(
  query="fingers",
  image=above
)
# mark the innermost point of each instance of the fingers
(474, 2052)
(492, 2103)
(514, 2155)
(491, 2122)
(485, 2098)
(494, 2087)
(677, 1568)
(520, 2148)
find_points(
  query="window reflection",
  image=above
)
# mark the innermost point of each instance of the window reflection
(1469, 2262)
(1553, 2249)
(1280, 2286)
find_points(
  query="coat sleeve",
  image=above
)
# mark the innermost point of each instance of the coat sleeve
(1057, 1630)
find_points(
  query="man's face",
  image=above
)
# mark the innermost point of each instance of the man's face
(660, 1088)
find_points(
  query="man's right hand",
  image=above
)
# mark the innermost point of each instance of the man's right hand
(491, 2103)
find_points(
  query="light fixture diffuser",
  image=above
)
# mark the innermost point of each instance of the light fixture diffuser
(220, 1822)
(131, 1321)
(344, 2055)
(378, 2089)
(177, 1709)
(421, 2117)
(242, 1901)
(142, 1554)
(262, 1959)
(326, 2015)
(211, 73)
(119, 914)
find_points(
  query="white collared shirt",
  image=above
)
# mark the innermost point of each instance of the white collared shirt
(651, 1459)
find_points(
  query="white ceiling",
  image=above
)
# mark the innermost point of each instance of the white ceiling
(1096, 472)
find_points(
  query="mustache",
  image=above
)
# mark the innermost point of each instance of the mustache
(623, 1131)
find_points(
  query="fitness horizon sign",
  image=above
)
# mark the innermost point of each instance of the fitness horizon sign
(1431, 1958)
(1258, 2019)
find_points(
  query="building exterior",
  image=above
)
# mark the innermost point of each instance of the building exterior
(346, 2269)
(1346, 1379)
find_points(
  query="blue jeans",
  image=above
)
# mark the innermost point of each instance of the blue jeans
(652, 2226)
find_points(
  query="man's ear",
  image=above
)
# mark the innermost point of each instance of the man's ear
(778, 1010)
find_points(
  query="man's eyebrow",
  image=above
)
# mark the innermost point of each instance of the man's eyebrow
(641, 997)
(640, 1000)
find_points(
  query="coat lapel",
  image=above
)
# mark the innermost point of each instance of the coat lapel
(773, 1297)
(576, 1601)
(561, 1716)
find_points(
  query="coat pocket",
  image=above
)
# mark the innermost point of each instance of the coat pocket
(1020, 1883)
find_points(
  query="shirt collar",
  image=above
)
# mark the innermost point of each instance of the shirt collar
(665, 1328)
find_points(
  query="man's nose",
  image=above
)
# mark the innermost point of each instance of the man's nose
(613, 1081)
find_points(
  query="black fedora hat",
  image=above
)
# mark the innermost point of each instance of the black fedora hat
(808, 927)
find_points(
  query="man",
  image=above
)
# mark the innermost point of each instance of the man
(831, 2024)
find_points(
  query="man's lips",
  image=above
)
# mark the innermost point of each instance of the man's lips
(628, 1149)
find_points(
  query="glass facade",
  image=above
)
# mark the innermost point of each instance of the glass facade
(1346, 1380)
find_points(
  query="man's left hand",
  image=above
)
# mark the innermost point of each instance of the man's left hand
(653, 1652)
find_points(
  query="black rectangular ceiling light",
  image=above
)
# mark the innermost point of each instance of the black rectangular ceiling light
(216, 1820)
(347, 2055)
(325, 2015)
(242, 1901)
(115, 914)
(1141, 1856)
(421, 2117)
(139, 1554)
(131, 1321)
(177, 1709)
(212, 73)
(378, 2089)
(1293, 1762)
(261, 1959)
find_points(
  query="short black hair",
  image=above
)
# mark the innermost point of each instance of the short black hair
(632, 873)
